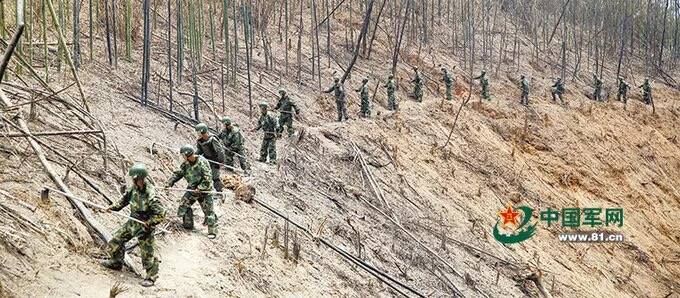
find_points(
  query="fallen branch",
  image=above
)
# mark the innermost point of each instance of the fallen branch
(54, 133)
(85, 213)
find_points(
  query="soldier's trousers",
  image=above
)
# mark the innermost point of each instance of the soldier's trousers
(342, 109)
(240, 156)
(217, 182)
(187, 214)
(555, 94)
(268, 148)
(365, 107)
(596, 94)
(286, 120)
(418, 93)
(129, 230)
(485, 93)
(524, 99)
(449, 95)
(647, 98)
(392, 102)
(622, 95)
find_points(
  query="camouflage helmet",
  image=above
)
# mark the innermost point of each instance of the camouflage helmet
(415, 68)
(365, 80)
(390, 76)
(226, 120)
(444, 69)
(138, 170)
(483, 71)
(282, 91)
(201, 128)
(187, 150)
(264, 104)
(336, 79)
(521, 77)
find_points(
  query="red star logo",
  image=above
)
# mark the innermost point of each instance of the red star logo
(509, 216)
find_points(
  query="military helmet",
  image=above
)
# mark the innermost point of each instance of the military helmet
(444, 69)
(187, 150)
(202, 128)
(483, 71)
(226, 120)
(138, 170)
(522, 77)
(415, 68)
(390, 76)
(264, 104)
(365, 80)
(336, 79)
(282, 91)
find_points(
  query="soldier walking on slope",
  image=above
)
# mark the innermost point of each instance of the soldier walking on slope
(267, 123)
(597, 85)
(524, 86)
(196, 171)
(623, 91)
(339, 91)
(392, 104)
(144, 206)
(208, 145)
(449, 82)
(557, 90)
(365, 100)
(232, 140)
(485, 85)
(286, 106)
(646, 92)
(418, 87)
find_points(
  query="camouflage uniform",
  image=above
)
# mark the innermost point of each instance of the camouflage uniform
(212, 150)
(558, 89)
(524, 86)
(449, 82)
(232, 140)
(146, 207)
(198, 176)
(341, 103)
(418, 87)
(485, 85)
(391, 98)
(623, 91)
(597, 84)
(646, 92)
(286, 106)
(365, 100)
(267, 123)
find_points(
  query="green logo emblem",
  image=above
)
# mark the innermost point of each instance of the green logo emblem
(511, 230)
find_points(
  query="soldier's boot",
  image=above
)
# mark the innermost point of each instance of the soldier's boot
(188, 220)
(112, 264)
(212, 232)
(147, 283)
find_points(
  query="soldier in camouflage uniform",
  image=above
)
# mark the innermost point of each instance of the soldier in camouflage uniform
(557, 90)
(145, 207)
(524, 86)
(267, 123)
(339, 91)
(418, 87)
(365, 101)
(646, 91)
(449, 82)
(286, 106)
(232, 140)
(485, 84)
(196, 171)
(597, 84)
(392, 104)
(208, 145)
(623, 90)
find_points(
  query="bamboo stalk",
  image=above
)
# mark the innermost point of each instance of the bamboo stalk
(62, 44)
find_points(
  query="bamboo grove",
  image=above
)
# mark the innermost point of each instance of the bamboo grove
(194, 39)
